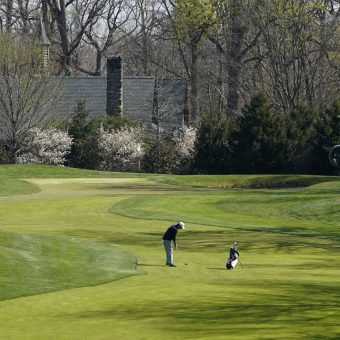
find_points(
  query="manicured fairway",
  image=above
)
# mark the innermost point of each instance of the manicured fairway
(81, 256)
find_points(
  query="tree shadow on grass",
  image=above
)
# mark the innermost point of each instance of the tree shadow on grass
(143, 187)
(216, 241)
(284, 308)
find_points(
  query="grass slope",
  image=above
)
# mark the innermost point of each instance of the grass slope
(294, 209)
(34, 264)
(245, 181)
(201, 181)
(286, 288)
(48, 171)
(13, 186)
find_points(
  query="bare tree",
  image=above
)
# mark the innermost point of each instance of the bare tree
(190, 21)
(73, 18)
(105, 33)
(236, 38)
(140, 48)
(27, 93)
(18, 16)
(299, 42)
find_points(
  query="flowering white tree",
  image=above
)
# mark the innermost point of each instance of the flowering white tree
(121, 149)
(185, 139)
(49, 146)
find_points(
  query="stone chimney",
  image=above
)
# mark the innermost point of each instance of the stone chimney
(114, 86)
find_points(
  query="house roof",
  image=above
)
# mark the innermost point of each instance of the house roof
(137, 98)
(91, 90)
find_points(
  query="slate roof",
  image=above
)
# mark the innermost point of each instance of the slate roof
(137, 98)
(138, 94)
(172, 101)
(92, 90)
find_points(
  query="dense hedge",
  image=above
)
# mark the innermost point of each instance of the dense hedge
(261, 140)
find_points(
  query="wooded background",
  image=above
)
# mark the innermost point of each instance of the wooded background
(226, 49)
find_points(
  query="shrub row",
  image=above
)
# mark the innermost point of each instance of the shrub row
(261, 140)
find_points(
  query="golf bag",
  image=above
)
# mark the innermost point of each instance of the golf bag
(233, 258)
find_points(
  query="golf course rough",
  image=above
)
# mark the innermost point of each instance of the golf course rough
(72, 242)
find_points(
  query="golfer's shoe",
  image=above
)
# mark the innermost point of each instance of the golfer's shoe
(171, 265)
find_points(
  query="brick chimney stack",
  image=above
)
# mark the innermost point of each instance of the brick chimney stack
(114, 86)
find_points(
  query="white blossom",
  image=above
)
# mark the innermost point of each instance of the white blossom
(185, 139)
(120, 149)
(49, 146)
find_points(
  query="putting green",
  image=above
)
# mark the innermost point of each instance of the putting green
(79, 232)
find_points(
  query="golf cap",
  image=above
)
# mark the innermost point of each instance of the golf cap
(181, 224)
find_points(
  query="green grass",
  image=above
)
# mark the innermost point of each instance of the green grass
(242, 208)
(286, 288)
(35, 264)
(245, 181)
(46, 171)
(12, 186)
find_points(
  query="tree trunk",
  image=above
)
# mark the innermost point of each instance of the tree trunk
(236, 37)
(145, 52)
(59, 15)
(64, 38)
(193, 81)
(23, 11)
(9, 15)
(99, 58)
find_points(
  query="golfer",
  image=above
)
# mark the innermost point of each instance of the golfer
(170, 235)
